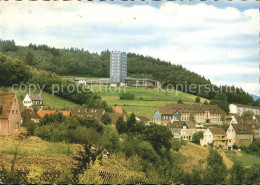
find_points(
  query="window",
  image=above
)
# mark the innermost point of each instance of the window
(12, 112)
(17, 125)
(14, 101)
(16, 112)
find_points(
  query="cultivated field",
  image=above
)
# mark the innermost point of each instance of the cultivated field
(146, 100)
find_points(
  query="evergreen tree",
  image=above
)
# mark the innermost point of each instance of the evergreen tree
(131, 122)
(121, 125)
(237, 173)
(197, 100)
(29, 59)
(180, 101)
(216, 169)
(105, 118)
(205, 102)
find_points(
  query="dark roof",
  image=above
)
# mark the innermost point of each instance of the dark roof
(35, 97)
(196, 108)
(114, 117)
(217, 131)
(242, 129)
(190, 124)
(180, 124)
(241, 105)
(175, 124)
(97, 113)
(238, 118)
(250, 122)
(143, 118)
(27, 115)
(6, 102)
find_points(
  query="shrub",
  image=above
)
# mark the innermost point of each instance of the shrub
(91, 175)
(34, 176)
(197, 136)
(31, 128)
(145, 150)
(197, 100)
(105, 118)
(180, 101)
(126, 96)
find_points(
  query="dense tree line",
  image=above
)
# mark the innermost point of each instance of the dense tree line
(151, 150)
(15, 71)
(79, 62)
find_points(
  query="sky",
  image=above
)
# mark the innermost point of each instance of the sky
(216, 39)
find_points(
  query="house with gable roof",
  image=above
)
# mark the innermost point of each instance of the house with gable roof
(33, 100)
(10, 116)
(239, 135)
(216, 136)
(183, 130)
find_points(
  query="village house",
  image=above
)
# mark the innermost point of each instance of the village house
(239, 135)
(97, 113)
(28, 116)
(10, 116)
(182, 130)
(145, 120)
(254, 125)
(239, 109)
(33, 100)
(183, 112)
(114, 117)
(216, 136)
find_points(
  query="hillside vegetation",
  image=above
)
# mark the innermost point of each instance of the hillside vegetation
(78, 62)
(146, 100)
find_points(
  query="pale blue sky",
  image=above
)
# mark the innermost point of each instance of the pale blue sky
(217, 39)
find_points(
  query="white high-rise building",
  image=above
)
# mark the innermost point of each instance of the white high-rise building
(118, 66)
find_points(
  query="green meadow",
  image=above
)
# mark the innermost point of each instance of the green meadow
(50, 101)
(146, 101)
(248, 159)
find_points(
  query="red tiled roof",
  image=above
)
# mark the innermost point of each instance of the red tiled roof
(42, 113)
(65, 112)
(118, 110)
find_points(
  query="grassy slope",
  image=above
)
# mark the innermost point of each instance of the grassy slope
(146, 100)
(247, 159)
(54, 102)
(196, 153)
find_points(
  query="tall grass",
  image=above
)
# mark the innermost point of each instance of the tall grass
(36, 148)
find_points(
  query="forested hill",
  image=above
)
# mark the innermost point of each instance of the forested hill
(78, 62)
